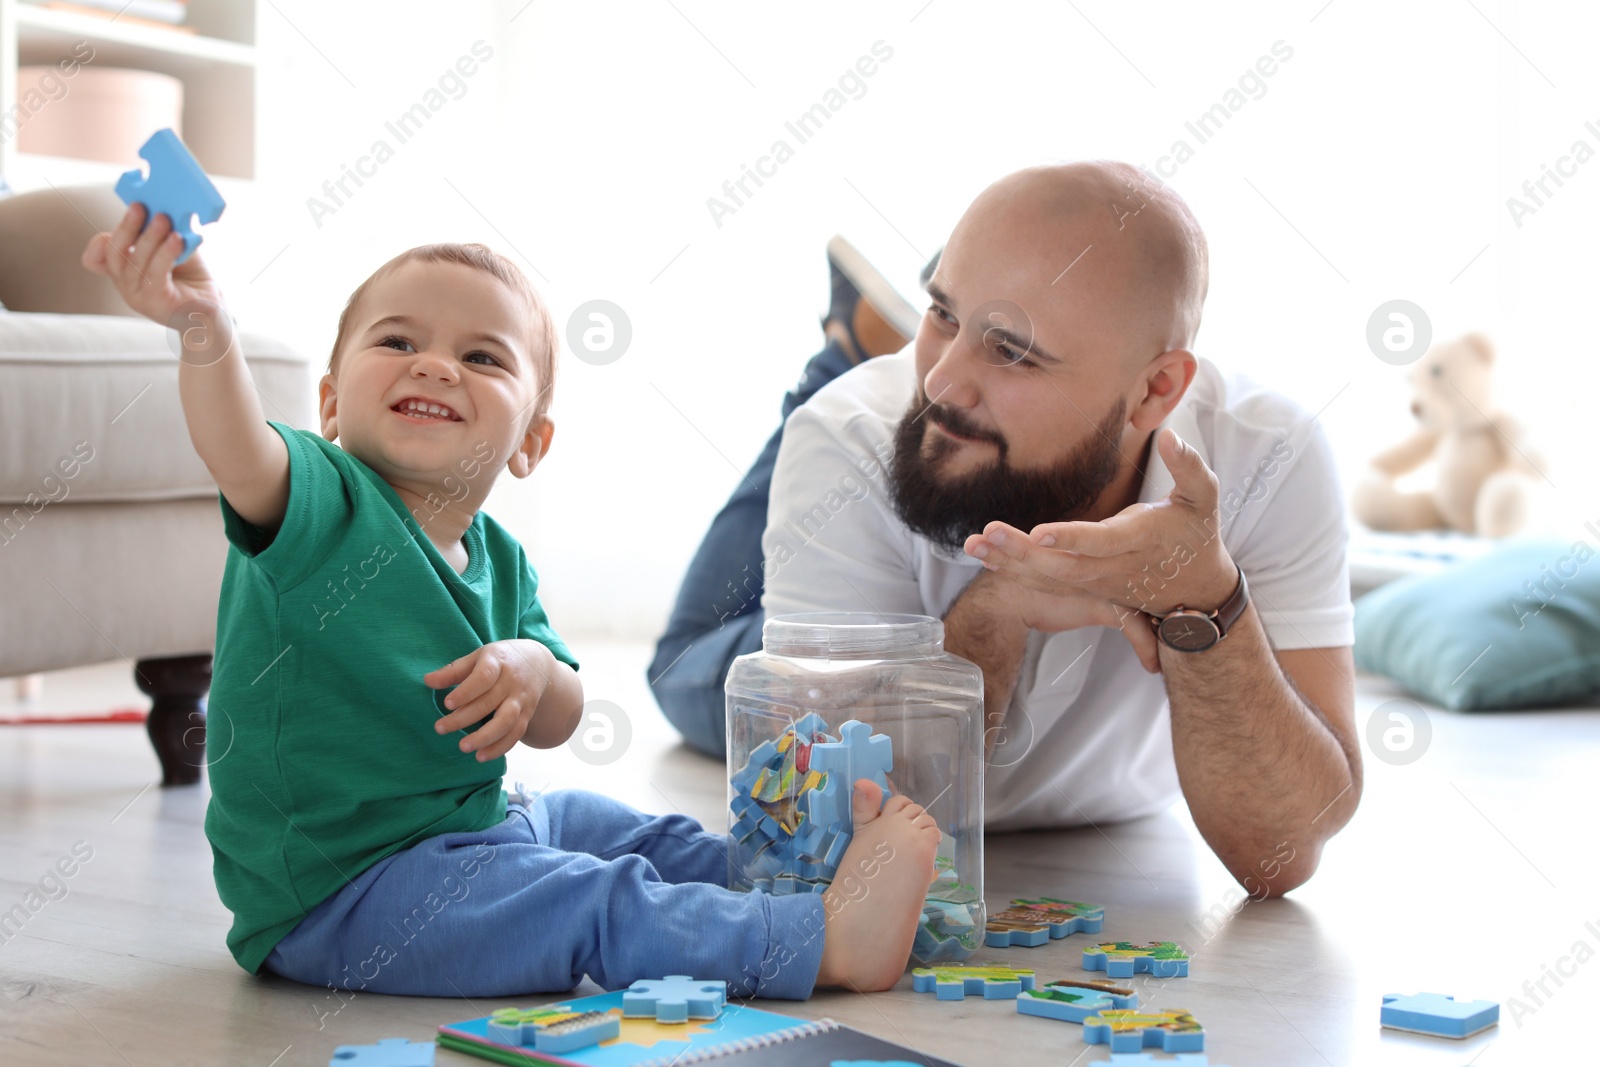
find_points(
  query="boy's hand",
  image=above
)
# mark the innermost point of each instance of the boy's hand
(507, 678)
(140, 265)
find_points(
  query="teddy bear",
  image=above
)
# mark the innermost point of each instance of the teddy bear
(1486, 468)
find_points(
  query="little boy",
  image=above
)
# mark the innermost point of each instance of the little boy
(360, 833)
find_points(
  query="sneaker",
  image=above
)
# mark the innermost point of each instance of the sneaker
(927, 272)
(873, 316)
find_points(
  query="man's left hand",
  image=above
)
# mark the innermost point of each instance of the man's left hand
(1153, 558)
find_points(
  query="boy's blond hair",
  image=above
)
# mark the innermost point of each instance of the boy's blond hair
(543, 344)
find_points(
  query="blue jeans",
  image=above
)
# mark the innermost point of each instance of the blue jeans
(718, 616)
(570, 884)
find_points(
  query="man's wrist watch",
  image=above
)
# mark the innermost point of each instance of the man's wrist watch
(1188, 630)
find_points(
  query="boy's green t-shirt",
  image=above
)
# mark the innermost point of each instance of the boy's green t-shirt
(320, 741)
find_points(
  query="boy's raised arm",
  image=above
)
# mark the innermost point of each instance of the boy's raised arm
(246, 457)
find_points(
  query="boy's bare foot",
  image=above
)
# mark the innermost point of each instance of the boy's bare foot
(875, 902)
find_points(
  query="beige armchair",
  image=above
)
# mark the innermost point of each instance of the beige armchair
(111, 542)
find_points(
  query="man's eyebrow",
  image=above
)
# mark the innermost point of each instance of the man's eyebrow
(1011, 337)
(402, 320)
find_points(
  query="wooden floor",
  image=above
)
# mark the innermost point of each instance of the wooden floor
(1470, 872)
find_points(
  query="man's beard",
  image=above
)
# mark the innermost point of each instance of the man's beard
(950, 509)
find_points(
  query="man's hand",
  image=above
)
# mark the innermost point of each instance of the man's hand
(140, 265)
(1148, 557)
(506, 679)
(1248, 799)
(1000, 593)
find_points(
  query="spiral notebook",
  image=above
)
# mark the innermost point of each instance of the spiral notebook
(742, 1035)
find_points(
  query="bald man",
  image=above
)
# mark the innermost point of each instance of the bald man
(1147, 559)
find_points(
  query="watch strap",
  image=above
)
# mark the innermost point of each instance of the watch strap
(1234, 606)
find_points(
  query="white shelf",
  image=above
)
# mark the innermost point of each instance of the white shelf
(30, 171)
(216, 64)
(49, 34)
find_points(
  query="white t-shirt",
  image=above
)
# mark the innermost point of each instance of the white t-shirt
(1088, 737)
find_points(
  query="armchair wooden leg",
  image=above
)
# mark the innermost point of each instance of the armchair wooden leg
(177, 723)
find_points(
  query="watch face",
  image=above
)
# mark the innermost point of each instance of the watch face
(1189, 632)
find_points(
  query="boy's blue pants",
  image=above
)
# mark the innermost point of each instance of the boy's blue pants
(570, 884)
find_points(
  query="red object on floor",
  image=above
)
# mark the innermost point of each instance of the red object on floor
(129, 715)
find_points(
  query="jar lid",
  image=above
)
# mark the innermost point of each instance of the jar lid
(851, 635)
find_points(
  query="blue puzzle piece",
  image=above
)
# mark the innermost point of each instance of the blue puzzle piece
(941, 933)
(1148, 1059)
(554, 1029)
(809, 725)
(1441, 1016)
(822, 850)
(1011, 938)
(859, 753)
(762, 756)
(747, 831)
(1032, 922)
(1131, 1030)
(828, 804)
(1073, 1002)
(955, 983)
(390, 1052)
(743, 806)
(176, 188)
(808, 838)
(933, 950)
(765, 864)
(1124, 959)
(674, 999)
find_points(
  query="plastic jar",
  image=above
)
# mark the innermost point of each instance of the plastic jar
(829, 699)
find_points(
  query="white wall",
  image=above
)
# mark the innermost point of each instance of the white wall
(1376, 165)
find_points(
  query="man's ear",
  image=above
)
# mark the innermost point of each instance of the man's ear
(328, 406)
(1160, 385)
(535, 443)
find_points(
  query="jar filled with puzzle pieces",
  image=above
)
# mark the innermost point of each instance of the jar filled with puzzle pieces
(832, 698)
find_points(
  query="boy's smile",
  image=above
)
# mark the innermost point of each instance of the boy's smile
(420, 409)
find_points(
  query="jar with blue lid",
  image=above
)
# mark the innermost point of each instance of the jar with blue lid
(831, 698)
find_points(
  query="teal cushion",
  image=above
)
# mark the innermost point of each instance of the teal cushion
(1516, 627)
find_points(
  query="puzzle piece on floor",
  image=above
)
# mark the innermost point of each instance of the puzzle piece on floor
(1439, 1015)
(553, 1029)
(1032, 922)
(390, 1052)
(177, 187)
(1148, 1059)
(954, 983)
(1120, 959)
(1130, 1031)
(1073, 1001)
(674, 999)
